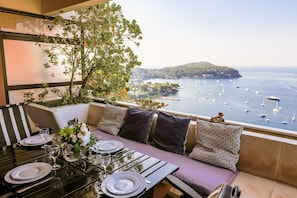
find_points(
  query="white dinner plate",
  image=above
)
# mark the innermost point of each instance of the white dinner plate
(107, 146)
(35, 140)
(47, 169)
(28, 171)
(122, 183)
(113, 188)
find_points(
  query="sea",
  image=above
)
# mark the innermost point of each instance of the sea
(242, 99)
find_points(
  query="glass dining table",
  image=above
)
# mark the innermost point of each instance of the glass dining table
(82, 178)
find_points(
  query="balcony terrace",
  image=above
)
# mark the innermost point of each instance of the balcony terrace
(268, 162)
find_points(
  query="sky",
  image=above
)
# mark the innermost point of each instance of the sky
(223, 32)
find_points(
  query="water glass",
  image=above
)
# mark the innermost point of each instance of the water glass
(44, 134)
(105, 159)
(54, 152)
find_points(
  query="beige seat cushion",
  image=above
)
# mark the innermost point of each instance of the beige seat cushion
(252, 186)
(284, 191)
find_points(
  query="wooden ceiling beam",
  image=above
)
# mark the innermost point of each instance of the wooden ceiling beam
(48, 7)
(32, 6)
(52, 7)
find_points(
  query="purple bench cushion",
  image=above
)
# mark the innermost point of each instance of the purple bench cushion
(201, 176)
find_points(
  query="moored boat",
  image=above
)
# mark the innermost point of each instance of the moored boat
(273, 98)
(277, 108)
(285, 121)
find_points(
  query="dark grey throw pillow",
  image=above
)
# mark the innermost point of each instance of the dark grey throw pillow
(170, 132)
(137, 125)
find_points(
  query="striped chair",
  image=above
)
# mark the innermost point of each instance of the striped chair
(14, 124)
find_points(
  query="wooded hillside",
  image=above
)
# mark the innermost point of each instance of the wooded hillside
(191, 70)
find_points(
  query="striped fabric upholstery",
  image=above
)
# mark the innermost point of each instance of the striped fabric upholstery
(14, 124)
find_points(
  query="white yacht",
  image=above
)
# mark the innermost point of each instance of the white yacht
(273, 98)
(285, 121)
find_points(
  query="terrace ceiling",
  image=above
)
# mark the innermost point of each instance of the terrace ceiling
(48, 7)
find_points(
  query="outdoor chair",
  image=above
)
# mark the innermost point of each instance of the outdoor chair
(189, 192)
(14, 124)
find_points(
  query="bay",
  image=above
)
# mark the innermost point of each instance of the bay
(243, 99)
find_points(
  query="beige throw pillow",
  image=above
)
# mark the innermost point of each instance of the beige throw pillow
(217, 144)
(112, 119)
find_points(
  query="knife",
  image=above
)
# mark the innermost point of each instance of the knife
(33, 185)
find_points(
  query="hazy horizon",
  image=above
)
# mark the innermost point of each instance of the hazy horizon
(225, 33)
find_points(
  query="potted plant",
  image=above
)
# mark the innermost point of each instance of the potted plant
(93, 47)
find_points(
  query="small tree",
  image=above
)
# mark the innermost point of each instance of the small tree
(94, 46)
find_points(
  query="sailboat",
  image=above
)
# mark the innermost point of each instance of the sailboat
(263, 103)
(276, 109)
(294, 117)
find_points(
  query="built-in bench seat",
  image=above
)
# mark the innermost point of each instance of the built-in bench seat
(199, 175)
(267, 165)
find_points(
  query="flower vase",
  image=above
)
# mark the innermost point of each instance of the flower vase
(70, 154)
(77, 139)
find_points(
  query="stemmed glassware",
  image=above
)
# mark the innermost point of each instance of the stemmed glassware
(105, 159)
(54, 152)
(56, 182)
(44, 134)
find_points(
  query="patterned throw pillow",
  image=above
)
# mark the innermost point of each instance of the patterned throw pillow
(137, 125)
(170, 132)
(217, 144)
(112, 119)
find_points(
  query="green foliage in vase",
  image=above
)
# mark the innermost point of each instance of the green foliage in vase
(79, 136)
(94, 50)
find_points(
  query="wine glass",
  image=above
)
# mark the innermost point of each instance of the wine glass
(98, 190)
(99, 140)
(56, 182)
(105, 159)
(54, 152)
(44, 134)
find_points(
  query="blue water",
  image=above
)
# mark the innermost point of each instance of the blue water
(241, 99)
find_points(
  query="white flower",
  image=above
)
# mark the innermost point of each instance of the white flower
(86, 138)
(74, 139)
